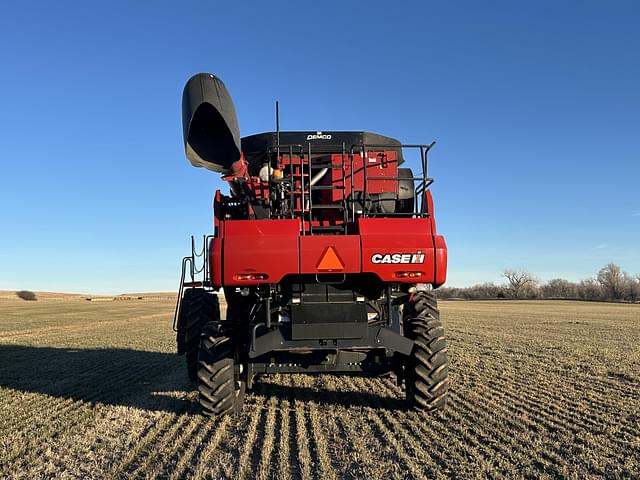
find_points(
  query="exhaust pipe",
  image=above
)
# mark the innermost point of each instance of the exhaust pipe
(209, 123)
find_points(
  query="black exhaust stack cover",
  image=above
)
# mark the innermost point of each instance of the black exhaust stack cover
(209, 124)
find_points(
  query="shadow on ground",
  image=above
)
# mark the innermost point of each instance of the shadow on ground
(343, 398)
(131, 378)
(153, 381)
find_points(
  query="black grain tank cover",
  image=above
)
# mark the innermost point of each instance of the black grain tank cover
(255, 147)
(209, 124)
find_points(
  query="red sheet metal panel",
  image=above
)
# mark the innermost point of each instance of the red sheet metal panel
(215, 262)
(260, 247)
(381, 169)
(313, 250)
(441, 261)
(391, 246)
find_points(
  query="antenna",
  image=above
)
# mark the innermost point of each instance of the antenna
(278, 122)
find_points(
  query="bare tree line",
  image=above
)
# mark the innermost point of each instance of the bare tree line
(610, 284)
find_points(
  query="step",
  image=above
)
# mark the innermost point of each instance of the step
(327, 187)
(330, 206)
(328, 228)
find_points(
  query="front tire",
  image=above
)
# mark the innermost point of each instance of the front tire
(198, 307)
(220, 385)
(427, 368)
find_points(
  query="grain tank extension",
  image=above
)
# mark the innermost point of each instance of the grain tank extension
(326, 250)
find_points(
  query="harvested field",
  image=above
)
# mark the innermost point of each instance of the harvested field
(538, 389)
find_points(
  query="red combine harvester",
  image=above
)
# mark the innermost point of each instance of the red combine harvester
(327, 252)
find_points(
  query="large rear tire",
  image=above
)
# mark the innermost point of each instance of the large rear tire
(220, 382)
(427, 368)
(198, 307)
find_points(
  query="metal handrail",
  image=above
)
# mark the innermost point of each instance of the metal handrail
(190, 268)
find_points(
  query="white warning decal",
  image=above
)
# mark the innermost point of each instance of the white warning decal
(394, 258)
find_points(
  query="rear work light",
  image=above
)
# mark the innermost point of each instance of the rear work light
(409, 274)
(250, 276)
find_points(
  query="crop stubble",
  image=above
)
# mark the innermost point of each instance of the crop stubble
(537, 389)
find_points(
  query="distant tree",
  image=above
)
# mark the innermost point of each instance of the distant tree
(26, 295)
(484, 291)
(448, 292)
(488, 290)
(589, 289)
(559, 288)
(632, 288)
(612, 280)
(611, 284)
(532, 290)
(520, 282)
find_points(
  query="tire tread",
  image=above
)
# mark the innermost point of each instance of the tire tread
(428, 366)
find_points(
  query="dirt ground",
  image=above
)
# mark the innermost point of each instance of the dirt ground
(538, 389)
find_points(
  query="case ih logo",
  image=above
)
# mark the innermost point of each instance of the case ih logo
(319, 136)
(397, 258)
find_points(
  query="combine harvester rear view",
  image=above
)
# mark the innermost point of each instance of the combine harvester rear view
(327, 252)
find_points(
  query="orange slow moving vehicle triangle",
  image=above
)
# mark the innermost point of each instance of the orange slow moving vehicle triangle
(330, 261)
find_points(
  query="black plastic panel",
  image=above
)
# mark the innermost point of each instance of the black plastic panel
(328, 321)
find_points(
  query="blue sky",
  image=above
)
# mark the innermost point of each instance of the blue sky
(535, 107)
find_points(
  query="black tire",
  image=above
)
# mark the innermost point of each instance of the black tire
(197, 308)
(427, 369)
(219, 384)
